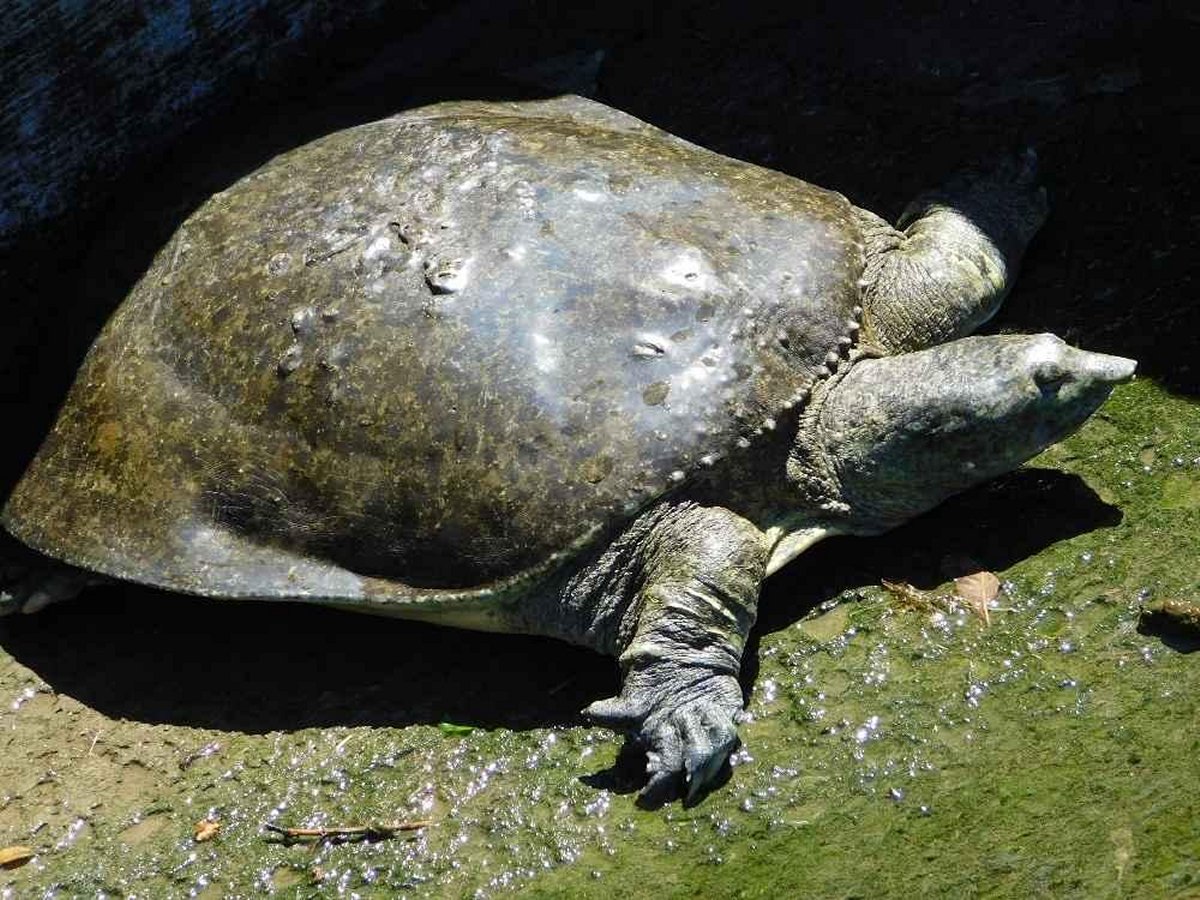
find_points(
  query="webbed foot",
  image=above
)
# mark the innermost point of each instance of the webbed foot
(28, 587)
(1002, 195)
(958, 248)
(686, 721)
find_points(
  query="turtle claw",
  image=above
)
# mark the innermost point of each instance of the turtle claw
(688, 733)
(693, 741)
(613, 712)
(660, 787)
(706, 754)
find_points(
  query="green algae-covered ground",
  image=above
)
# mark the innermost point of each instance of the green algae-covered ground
(893, 748)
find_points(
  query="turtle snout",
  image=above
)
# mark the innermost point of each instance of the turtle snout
(1056, 365)
(1109, 369)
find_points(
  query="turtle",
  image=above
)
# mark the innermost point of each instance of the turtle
(542, 367)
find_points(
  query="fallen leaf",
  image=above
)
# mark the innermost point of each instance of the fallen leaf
(977, 590)
(15, 857)
(206, 830)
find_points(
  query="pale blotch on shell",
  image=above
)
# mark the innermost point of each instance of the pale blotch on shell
(677, 476)
(856, 312)
(831, 359)
(302, 320)
(844, 341)
(823, 371)
(289, 361)
(446, 276)
(769, 424)
(708, 459)
(742, 443)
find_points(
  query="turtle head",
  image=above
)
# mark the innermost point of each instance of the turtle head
(896, 436)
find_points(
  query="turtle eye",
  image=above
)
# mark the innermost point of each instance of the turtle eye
(1049, 377)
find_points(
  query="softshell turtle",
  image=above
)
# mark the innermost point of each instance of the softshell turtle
(541, 367)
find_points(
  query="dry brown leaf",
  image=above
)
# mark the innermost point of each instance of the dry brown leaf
(15, 856)
(206, 830)
(978, 590)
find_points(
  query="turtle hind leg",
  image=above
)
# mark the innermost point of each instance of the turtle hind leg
(947, 266)
(29, 586)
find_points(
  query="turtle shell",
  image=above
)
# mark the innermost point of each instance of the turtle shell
(440, 349)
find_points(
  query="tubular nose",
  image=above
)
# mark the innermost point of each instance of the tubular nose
(1112, 369)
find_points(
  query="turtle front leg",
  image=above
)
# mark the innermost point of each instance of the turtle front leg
(947, 267)
(681, 642)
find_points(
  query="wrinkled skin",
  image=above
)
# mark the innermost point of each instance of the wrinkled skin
(544, 368)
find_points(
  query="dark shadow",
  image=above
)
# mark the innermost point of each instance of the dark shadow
(883, 102)
(155, 657)
(626, 775)
(995, 525)
(1180, 636)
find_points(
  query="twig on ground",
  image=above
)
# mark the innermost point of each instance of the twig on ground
(379, 831)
